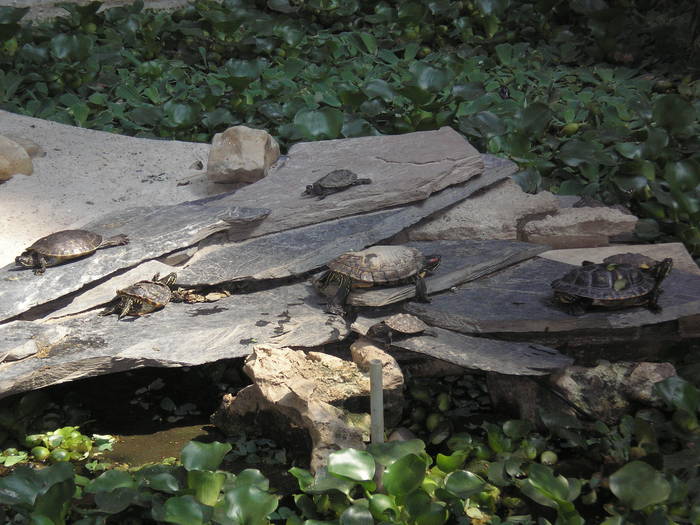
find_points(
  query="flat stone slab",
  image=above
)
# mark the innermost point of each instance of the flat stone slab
(179, 335)
(478, 353)
(403, 169)
(462, 261)
(518, 300)
(152, 231)
(300, 250)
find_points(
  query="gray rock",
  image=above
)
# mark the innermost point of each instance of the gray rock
(403, 168)
(179, 335)
(517, 302)
(152, 232)
(300, 250)
(477, 353)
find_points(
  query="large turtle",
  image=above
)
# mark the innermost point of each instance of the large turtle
(612, 285)
(333, 182)
(397, 327)
(142, 297)
(378, 265)
(64, 245)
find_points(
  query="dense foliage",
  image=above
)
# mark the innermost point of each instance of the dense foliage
(588, 97)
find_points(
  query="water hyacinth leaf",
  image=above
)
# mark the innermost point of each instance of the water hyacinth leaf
(206, 485)
(203, 456)
(55, 502)
(252, 476)
(575, 152)
(317, 124)
(116, 500)
(179, 115)
(353, 464)
(673, 113)
(12, 15)
(542, 479)
(370, 42)
(436, 514)
(683, 175)
(356, 514)
(464, 484)
(655, 144)
(417, 95)
(387, 453)
(468, 91)
(325, 482)
(247, 505)
(379, 88)
(383, 507)
(184, 510)
(430, 78)
(358, 127)
(630, 150)
(159, 477)
(405, 475)
(483, 123)
(639, 485)
(679, 393)
(535, 118)
(111, 480)
(282, 6)
(452, 462)
(492, 7)
(304, 478)
(517, 428)
(528, 179)
(411, 11)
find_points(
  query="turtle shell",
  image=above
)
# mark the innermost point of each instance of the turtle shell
(67, 244)
(337, 179)
(149, 295)
(379, 264)
(633, 259)
(406, 324)
(609, 282)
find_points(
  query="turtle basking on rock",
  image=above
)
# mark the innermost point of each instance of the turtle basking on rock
(142, 297)
(333, 182)
(398, 326)
(620, 281)
(378, 265)
(65, 245)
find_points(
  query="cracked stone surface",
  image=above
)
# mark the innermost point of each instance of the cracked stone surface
(179, 335)
(476, 353)
(152, 231)
(296, 251)
(518, 300)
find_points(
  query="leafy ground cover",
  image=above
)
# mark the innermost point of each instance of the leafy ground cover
(588, 97)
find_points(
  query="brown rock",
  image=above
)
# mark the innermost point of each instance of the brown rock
(578, 227)
(241, 154)
(492, 214)
(32, 148)
(317, 392)
(13, 159)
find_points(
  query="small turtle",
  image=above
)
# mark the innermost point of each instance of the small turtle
(142, 297)
(63, 246)
(398, 326)
(378, 265)
(333, 182)
(611, 285)
(638, 260)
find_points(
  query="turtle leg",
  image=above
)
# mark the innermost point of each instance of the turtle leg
(578, 306)
(126, 304)
(653, 303)
(111, 308)
(421, 290)
(116, 240)
(40, 263)
(337, 302)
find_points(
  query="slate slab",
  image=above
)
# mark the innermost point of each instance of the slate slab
(297, 251)
(478, 353)
(518, 300)
(153, 231)
(403, 168)
(462, 261)
(179, 335)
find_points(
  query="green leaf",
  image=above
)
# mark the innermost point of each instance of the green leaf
(464, 484)
(370, 42)
(203, 456)
(468, 91)
(383, 507)
(639, 485)
(252, 476)
(282, 6)
(206, 485)
(528, 179)
(116, 500)
(404, 476)
(630, 150)
(184, 510)
(12, 15)
(673, 113)
(159, 477)
(356, 514)
(683, 176)
(679, 393)
(353, 464)
(55, 502)
(504, 53)
(247, 505)
(575, 152)
(483, 123)
(387, 453)
(535, 118)
(430, 78)
(555, 488)
(324, 123)
(452, 462)
(436, 514)
(180, 115)
(379, 88)
(111, 480)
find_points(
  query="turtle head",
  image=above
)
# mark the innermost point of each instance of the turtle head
(26, 259)
(313, 189)
(431, 263)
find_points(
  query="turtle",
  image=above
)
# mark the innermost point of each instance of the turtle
(333, 182)
(65, 245)
(398, 326)
(611, 285)
(378, 265)
(142, 297)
